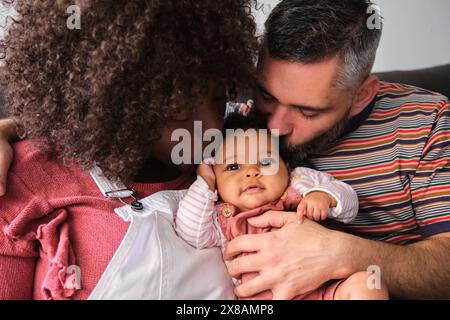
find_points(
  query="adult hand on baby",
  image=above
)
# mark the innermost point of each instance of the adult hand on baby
(315, 206)
(290, 261)
(206, 171)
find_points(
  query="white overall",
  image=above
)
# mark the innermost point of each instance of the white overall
(152, 262)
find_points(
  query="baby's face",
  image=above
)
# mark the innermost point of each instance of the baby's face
(251, 175)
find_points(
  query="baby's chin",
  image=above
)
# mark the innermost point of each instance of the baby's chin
(253, 202)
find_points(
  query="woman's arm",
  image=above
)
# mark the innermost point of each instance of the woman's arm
(21, 212)
(8, 135)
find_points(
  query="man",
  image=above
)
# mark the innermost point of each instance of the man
(390, 142)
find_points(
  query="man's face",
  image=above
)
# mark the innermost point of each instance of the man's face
(302, 103)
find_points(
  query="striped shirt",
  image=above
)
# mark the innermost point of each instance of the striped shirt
(396, 155)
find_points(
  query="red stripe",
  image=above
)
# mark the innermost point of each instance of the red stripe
(384, 137)
(429, 189)
(403, 238)
(386, 196)
(384, 227)
(432, 140)
(434, 220)
(403, 106)
(370, 168)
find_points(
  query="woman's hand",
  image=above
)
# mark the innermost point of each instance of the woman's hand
(8, 135)
(292, 260)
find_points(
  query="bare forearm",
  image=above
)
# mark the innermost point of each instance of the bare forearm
(8, 130)
(418, 271)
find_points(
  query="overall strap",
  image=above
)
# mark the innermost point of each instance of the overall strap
(115, 190)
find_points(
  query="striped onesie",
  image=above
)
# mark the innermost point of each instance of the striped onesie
(197, 218)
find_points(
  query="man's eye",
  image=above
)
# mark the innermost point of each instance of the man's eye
(310, 115)
(266, 96)
(267, 162)
(233, 167)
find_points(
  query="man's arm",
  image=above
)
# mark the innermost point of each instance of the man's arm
(298, 258)
(8, 135)
(416, 271)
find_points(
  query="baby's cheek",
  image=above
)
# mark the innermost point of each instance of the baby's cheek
(276, 194)
(278, 187)
(227, 193)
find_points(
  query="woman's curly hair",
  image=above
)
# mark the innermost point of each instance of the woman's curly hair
(101, 94)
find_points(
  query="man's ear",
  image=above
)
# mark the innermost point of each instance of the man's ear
(365, 94)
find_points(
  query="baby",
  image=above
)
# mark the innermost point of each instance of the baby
(208, 217)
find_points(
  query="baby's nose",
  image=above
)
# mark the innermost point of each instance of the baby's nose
(253, 172)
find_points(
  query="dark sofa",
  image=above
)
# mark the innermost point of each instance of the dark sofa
(434, 79)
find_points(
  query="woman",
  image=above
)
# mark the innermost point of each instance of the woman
(105, 96)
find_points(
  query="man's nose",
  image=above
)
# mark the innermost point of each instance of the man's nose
(279, 122)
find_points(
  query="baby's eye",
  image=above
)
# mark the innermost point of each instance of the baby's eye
(267, 162)
(233, 167)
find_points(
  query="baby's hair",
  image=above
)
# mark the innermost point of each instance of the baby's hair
(254, 120)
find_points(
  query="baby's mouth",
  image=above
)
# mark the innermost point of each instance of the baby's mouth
(253, 188)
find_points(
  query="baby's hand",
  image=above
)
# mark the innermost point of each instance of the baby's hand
(315, 206)
(206, 171)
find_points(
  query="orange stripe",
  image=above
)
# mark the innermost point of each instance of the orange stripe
(378, 166)
(434, 139)
(381, 141)
(393, 134)
(383, 169)
(386, 227)
(388, 196)
(404, 107)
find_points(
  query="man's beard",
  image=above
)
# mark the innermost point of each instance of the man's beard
(295, 154)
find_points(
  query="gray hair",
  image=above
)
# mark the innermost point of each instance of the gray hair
(310, 31)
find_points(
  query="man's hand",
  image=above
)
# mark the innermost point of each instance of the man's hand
(298, 258)
(293, 260)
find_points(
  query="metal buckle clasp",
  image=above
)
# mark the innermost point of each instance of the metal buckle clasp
(124, 194)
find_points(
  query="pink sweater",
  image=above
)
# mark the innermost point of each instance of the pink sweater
(53, 217)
